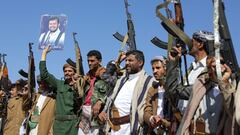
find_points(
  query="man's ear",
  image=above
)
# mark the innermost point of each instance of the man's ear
(200, 46)
(141, 63)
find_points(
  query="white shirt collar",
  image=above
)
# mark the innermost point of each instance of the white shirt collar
(132, 76)
(201, 63)
(56, 33)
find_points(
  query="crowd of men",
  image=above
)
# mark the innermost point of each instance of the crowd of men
(129, 101)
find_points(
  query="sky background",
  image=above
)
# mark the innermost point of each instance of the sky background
(95, 22)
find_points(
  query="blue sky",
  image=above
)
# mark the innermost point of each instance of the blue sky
(95, 22)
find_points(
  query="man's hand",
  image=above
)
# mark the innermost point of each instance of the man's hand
(175, 53)
(155, 121)
(226, 72)
(96, 108)
(121, 57)
(75, 78)
(225, 69)
(2, 93)
(45, 51)
(103, 117)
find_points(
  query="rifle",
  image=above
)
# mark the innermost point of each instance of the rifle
(227, 49)
(79, 65)
(3, 66)
(131, 32)
(4, 80)
(31, 71)
(30, 75)
(171, 27)
(5, 85)
(78, 57)
(156, 41)
(176, 37)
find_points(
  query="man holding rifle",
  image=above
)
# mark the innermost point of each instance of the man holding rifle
(208, 109)
(67, 101)
(95, 91)
(199, 51)
(128, 96)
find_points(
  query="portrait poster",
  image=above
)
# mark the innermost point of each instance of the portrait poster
(52, 31)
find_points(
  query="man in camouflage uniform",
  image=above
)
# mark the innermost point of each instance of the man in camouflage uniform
(95, 90)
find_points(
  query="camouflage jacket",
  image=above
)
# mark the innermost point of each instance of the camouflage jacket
(100, 91)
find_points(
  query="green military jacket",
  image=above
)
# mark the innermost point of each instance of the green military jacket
(100, 91)
(66, 110)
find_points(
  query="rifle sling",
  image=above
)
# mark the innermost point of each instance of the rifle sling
(173, 27)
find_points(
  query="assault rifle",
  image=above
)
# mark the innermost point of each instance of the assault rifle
(158, 42)
(78, 57)
(131, 32)
(227, 49)
(4, 80)
(30, 75)
(31, 70)
(78, 64)
(175, 29)
(176, 35)
(5, 85)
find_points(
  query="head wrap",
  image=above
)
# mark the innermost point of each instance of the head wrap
(68, 65)
(203, 36)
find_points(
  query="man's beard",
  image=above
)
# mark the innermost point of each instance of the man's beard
(132, 71)
(67, 79)
(52, 31)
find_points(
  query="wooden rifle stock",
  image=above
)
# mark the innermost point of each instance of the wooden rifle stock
(179, 15)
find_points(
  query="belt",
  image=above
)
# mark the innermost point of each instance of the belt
(121, 120)
(65, 117)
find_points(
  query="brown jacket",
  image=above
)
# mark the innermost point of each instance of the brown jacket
(200, 87)
(46, 117)
(16, 113)
(151, 104)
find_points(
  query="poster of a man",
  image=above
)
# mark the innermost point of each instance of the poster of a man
(52, 31)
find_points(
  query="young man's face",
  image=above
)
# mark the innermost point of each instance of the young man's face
(53, 25)
(158, 69)
(93, 62)
(132, 64)
(13, 91)
(68, 73)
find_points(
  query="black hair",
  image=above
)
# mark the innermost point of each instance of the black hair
(54, 18)
(138, 54)
(95, 53)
